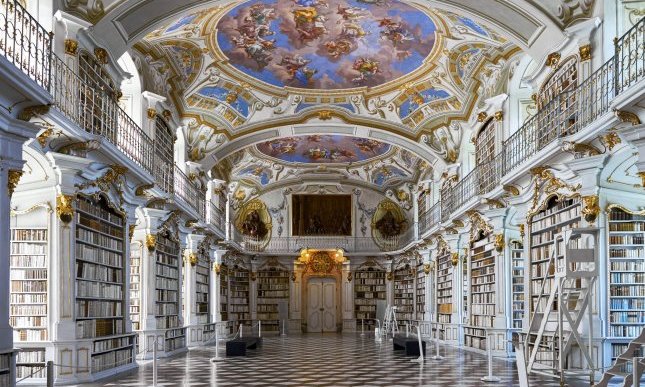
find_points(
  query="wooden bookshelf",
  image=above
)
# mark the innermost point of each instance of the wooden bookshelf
(369, 287)
(223, 292)
(135, 285)
(483, 298)
(272, 287)
(555, 217)
(167, 270)
(444, 287)
(28, 295)
(517, 284)
(100, 284)
(238, 301)
(202, 283)
(404, 293)
(626, 280)
(420, 301)
(5, 369)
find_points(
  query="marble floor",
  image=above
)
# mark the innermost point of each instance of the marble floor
(325, 360)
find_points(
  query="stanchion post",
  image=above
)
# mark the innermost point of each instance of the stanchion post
(362, 327)
(635, 376)
(284, 329)
(420, 359)
(259, 328)
(407, 329)
(241, 328)
(154, 362)
(490, 378)
(437, 356)
(50, 373)
(217, 357)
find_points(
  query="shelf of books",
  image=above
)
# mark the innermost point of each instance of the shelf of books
(556, 217)
(482, 291)
(223, 292)
(202, 288)
(28, 299)
(626, 278)
(5, 368)
(100, 283)
(444, 287)
(135, 285)
(404, 294)
(238, 301)
(369, 287)
(517, 284)
(167, 290)
(420, 303)
(273, 287)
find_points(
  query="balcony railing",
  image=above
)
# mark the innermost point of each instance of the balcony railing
(216, 217)
(189, 193)
(350, 244)
(568, 113)
(24, 42)
(430, 218)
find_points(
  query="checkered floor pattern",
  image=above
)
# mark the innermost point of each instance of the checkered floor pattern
(324, 360)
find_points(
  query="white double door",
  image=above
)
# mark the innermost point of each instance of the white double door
(321, 305)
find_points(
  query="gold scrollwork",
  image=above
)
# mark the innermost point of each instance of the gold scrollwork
(499, 242)
(131, 230)
(101, 55)
(151, 242)
(610, 139)
(33, 111)
(629, 117)
(590, 208)
(350, 276)
(642, 176)
(65, 208)
(478, 225)
(585, 52)
(141, 190)
(71, 46)
(254, 276)
(13, 179)
(152, 113)
(217, 268)
(454, 258)
(389, 276)
(553, 59)
(293, 276)
(522, 230)
(44, 136)
(324, 115)
(511, 189)
(427, 267)
(499, 115)
(190, 257)
(482, 116)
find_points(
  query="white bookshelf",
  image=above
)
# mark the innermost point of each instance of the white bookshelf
(135, 285)
(444, 287)
(5, 369)
(202, 282)
(272, 287)
(167, 289)
(420, 301)
(100, 284)
(626, 282)
(239, 300)
(482, 291)
(369, 287)
(223, 292)
(517, 284)
(404, 293)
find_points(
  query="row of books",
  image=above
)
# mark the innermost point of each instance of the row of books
(483, 298)
(166, 283)
(627, 291)
(29, 335)
(26, 248)
(484, 279)
(481, 309)
(93, 237)
(90, 271)
(367, 301)
(28, 274)
(166, 322)
(28, 261)
(162, 309)
(166, 295)
(30, 234)
(370, 281)
(91, 308)
(627, 303)
(28, 310)
(628, 227)
(113, 359)
(482, 320)
(91, 207)
(273, 286)
(95, 328)
(30, 355)
(28, 298)
(627, 317)
(96, 225)
(166, 271)
(29, 372)
(273, 293)
(617, 214)
(627, 239)
(627, 266)
(267, 308)
(379, 295)
(99, 256)
(87, 289)
(114, 343)
(625, 330)
(617, 278)
(28, 321)
(239, 308)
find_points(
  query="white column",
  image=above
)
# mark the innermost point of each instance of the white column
(190, 284)
(216, 260)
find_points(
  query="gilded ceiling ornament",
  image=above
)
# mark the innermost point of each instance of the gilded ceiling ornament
(499, 242)
(240, 195)
(610, 139)
(553, 59)
(71, 46)
(152, 113)
(151, 242)
(590, 208)
(101, 55)
(482, 116)
(65, 208)
(642, 176)
(231, 97)
(33, 111)
(629, 117)
(585, 52)
(499, 115)
(324, 115)
(13, 179)
(478, 225)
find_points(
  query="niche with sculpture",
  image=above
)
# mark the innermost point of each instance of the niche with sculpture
(388, 224)
(254, 222)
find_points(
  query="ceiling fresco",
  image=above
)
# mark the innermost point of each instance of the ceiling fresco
(325, 44)
(323, 149)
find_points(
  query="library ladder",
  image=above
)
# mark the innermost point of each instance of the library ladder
(623, 366)
(562, 302)
(390, 321)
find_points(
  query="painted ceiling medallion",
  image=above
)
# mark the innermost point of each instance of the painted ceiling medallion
(323, 149)
(326, 44)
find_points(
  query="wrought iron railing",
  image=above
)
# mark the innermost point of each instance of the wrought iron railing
(24, 42)
(430, 218)
(97, 113)
(189, 193)
(630, 56)
(216, 217)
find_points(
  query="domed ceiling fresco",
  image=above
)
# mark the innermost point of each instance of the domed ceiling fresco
(323, 149)
(326, 44)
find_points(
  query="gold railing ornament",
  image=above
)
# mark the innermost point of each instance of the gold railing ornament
(499, 242)
(151, 242)
(590, 208)
(13, 179)
(65, 208)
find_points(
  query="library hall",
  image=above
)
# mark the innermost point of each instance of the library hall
(322, 193)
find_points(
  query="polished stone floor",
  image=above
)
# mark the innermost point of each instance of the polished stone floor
(325, 360)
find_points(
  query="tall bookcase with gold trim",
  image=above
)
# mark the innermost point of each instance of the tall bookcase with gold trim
(404, 287)
(168, 291)
(482, 294)
(272, 288)
(445, 288)
(369, 288)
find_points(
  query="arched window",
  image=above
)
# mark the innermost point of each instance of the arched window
(164, 154)
(485, 143)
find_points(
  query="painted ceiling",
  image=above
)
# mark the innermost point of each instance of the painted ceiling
(325, 44)
(323, 149)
